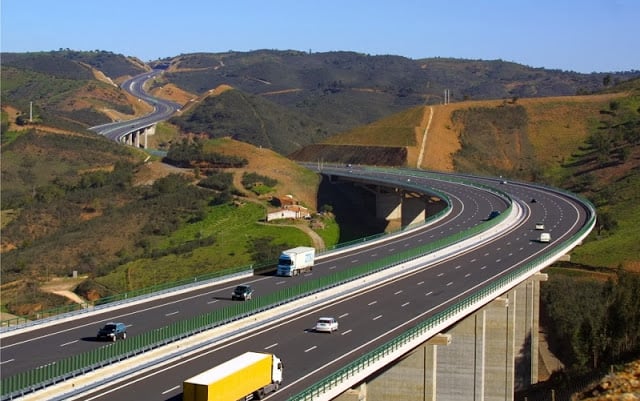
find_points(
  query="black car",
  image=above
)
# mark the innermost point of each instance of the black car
(493, 214)
(242, 292)
(112, 331)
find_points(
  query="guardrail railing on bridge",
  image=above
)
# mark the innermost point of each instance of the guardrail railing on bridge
(76, 365)
(328, 387)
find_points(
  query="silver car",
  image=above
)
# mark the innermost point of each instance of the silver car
(326, 324)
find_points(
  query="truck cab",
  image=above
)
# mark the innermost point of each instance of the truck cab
(295, 261)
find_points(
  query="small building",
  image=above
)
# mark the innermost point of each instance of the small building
(289, 212)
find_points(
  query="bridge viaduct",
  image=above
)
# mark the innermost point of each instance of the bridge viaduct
(486, 356)
(138, 137)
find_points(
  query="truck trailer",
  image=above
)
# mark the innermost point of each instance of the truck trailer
(296, 260)
(249, 376)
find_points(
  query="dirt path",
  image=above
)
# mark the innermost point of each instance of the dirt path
(317, 240)
(64, 288)
(424, 138)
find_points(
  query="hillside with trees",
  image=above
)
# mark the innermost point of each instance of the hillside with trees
(68, 90)
(333, 92)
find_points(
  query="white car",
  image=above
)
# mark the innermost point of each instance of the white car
(545, 237)
(539, 226)
(326, 324)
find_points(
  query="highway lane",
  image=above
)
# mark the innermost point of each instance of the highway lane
(41, 346)
(162, 109)
(373, 316)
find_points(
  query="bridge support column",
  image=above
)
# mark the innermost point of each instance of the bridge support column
(414, 208)
(146, 132)
(527, 324)
(389, 205)
(489, 355)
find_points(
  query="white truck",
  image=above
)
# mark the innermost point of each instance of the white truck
(251, 375)
(296, 260)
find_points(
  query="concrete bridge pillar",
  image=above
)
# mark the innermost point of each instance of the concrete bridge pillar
(389, 205)
(138, 138)
(487, 356)
(148, 131)
(414, 209)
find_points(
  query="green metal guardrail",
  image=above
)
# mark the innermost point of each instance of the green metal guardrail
(64, 310)
(438, 319)
(91, 360)
(79, 364)
(121, 297)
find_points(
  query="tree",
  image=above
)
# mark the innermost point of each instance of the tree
(605, 222)
(326, 208)
(22, 120)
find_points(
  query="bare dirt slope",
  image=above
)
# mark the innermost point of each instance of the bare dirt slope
(555, 124)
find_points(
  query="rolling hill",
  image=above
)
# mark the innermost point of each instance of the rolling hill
(303, 98)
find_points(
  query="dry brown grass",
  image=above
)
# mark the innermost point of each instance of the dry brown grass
(556, 125)
(290, 176)
(173, 93)
(261, 160)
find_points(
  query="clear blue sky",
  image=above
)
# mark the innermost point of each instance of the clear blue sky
(577, 35)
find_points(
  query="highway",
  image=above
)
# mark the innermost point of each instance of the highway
(29, 350)
(374, 316)
(367, 319)
(162, 109)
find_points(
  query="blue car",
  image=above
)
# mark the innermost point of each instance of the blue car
(493, 214)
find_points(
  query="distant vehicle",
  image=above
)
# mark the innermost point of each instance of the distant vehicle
(249, 376)
(242, 292)
(545, 237)
(493, 214)
(112, 331)
(533, 200)
(296, 260)
(539, 226)
(326, 324)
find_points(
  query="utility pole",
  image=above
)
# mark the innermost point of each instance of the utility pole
(30, 112)
(447, 97)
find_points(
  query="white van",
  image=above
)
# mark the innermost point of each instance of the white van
(545, 237)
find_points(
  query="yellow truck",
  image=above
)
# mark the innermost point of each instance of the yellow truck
(249, 376)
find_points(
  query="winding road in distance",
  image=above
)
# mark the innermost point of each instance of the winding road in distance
(162, 109)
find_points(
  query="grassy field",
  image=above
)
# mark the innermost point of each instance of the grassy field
(233, 228)
(397, 130)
